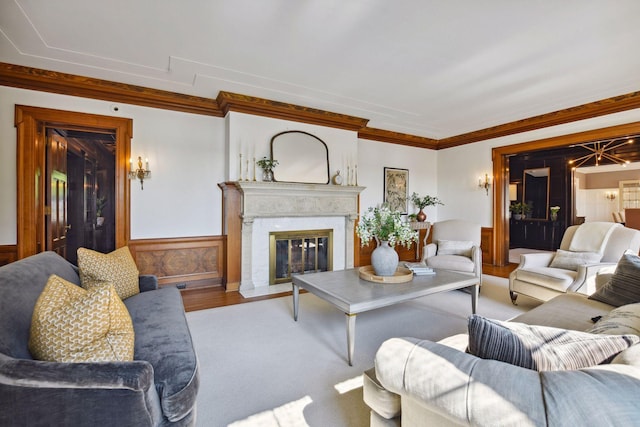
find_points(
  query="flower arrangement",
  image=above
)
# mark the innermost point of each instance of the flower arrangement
(267, 164)
(381, 223)
(423, 202)
(554, 210)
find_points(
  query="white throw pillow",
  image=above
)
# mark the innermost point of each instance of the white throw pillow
(619, 321)
(572, 260)
(455, 247)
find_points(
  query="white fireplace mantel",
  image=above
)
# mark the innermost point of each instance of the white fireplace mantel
(285, 199)
(293, 200)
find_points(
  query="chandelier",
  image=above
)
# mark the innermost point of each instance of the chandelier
(601, 151)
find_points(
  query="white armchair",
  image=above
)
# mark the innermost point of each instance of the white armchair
(584, 252)
(456, 247)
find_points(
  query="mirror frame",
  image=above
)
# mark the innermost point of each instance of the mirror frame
(289, 164)
(524, 191)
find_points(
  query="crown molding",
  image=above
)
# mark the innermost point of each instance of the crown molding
(603, 107)
(87, 87)
(397, 138)
(280, 110)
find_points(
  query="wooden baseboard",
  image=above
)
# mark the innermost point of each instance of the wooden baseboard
(8, 254)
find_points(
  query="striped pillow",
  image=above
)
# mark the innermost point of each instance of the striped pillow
(542, 348)
(624, 286)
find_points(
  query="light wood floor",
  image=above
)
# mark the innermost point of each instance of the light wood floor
(203, 298)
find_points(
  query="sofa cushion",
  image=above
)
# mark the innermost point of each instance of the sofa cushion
(554, 278)
(624, 286)
(117, 268)
(71, 324)
(163, 339)
(455, 247)
(620, 321)
(542, 348)
(384, 402)
(451, 262)
(572, 260)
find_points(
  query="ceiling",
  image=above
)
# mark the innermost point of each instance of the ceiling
(423, 67)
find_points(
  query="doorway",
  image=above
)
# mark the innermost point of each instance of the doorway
(81, 172)
(43, 218)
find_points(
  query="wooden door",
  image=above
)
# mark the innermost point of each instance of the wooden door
(57, 191)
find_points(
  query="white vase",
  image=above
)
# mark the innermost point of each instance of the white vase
(384, 259)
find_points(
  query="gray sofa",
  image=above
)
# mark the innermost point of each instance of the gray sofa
(423, 383)
(158, 388)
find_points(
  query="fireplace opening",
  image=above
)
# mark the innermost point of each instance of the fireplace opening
(299, 252)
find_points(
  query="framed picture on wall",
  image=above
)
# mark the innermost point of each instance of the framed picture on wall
(396, 185)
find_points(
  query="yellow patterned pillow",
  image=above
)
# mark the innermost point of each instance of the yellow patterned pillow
(117, 268)
(70, 324)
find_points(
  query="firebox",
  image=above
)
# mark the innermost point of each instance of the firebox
(299, 252)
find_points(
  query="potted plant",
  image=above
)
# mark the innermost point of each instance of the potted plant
(100, 204)
(267, 166)
(388, 229)
(516, 210)
(554, 212)
(423, 202)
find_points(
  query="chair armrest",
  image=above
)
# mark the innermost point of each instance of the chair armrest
(148, 282)
(538, 259)
(429, 250)
(136, 375)
(585, 281)
(458, 385)
(476, 257)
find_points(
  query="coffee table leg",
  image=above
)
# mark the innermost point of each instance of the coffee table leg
(351, 336)
(474, 297)
(296, 295)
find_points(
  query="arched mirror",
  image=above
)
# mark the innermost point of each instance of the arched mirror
(536, 192)
(301, 157)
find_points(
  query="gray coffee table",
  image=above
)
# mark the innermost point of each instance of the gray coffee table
(352, 295)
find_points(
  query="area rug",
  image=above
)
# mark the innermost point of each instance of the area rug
(258, 367)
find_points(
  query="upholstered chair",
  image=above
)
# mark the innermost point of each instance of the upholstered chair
(455, 246)
(585, 250)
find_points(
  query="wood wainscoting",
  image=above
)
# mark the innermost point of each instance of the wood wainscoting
(8, 254)
(486, 245)
(194, 262)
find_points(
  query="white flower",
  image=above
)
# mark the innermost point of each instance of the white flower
(381, 223)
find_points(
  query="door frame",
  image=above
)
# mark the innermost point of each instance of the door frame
(500, 158)
(30, 123)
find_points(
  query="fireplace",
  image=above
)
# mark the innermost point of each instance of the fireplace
(299, 252)
(255, 209)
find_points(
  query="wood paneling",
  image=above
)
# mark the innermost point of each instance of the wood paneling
(486, 244)
(232, 228)
(8, 254)
(193, 261)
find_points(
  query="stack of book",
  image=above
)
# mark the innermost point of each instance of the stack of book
(419, 269)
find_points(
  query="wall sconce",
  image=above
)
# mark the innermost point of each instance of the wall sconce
(140, 173)
(485, 183)
(611, 195)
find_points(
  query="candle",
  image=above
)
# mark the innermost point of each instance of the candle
(240, 170)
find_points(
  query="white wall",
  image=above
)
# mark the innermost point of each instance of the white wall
(460, 167)
(251, 136)
(185, 155)
(190, 154)
(374, 156)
